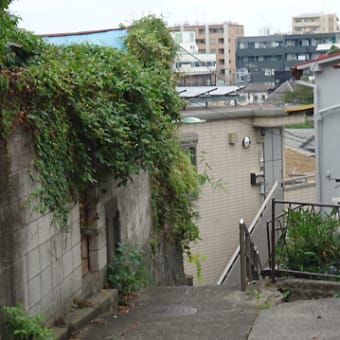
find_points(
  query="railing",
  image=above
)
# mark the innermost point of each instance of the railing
(295, 179)
(260, 228)
(250, 263)
(257, 229)
(306, 236)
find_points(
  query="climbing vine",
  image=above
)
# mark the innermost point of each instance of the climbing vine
(97, 111)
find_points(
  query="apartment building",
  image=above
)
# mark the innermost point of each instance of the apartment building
(221, 40)
(260, 58)
(191, 67)
(315, 23)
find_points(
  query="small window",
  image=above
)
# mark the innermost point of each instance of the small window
(189, 144)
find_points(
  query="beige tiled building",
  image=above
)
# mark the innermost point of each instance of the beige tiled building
(315, 23)
(219, 39)
(232, 144)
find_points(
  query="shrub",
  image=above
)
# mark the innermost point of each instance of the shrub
(311, 242)
(23, 326)
(127, 270)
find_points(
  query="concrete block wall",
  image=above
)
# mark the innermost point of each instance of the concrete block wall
(132, 201)
(40, 266)
(134, 206)
(221, 209)
(46, 262)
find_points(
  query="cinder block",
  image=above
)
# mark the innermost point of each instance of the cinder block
(98, 240)
(32, 260)
(76, 256)
(98, 259)
(67, 291)
(46, 229)
(77, 280)
(57, 272)
(31, 237)
(67, 263)
(46, 282)
(45, 254)
(33, 291)
(75, 233)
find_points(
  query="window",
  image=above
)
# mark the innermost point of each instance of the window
(216, 30)
(290, 43)
(212, 41)
(291, 56)
(242, 46)
(221, 41)
(260, 44)
(314, 42)
(189, 143)
(221, 50)
(268, 72)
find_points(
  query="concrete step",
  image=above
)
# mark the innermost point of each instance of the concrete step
(102, 302)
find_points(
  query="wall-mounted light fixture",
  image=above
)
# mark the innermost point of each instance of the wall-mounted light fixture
(246, 141)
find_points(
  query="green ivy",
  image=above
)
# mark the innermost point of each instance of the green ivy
(94, 111)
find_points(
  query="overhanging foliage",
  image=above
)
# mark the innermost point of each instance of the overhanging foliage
(95, 111)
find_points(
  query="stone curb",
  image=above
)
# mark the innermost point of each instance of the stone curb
(101, 302)
(305, 289)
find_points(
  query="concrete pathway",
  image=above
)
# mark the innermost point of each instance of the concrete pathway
(216, 312)
(179, 313)
(299, 320)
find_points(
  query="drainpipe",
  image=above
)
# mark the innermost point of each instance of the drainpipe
(317, 125)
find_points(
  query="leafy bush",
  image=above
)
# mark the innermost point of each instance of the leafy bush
(311, 243)
(126, 271)
(22, 326)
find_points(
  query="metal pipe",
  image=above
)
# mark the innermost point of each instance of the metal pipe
(273, 243)
(242, 256)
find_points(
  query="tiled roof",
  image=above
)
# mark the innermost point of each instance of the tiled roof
(301, 139)
(322, 58)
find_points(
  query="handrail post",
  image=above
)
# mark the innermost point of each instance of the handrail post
(273, 243)
(242, 256)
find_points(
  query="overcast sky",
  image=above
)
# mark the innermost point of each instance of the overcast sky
(57, 16)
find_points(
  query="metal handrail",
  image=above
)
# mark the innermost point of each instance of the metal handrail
(251, 228)
(273, 239)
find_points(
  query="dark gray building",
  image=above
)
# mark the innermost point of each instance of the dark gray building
(264, 59)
